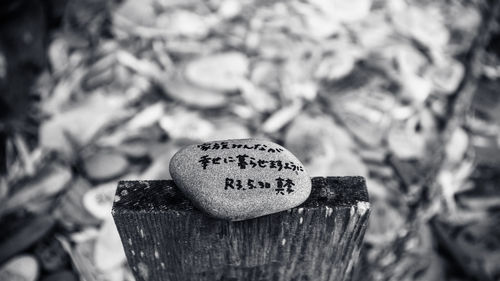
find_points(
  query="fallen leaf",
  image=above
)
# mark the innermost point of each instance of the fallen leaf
(58, 54)
(425, 24)
(25, 235)
(335, 66)
(81, 123)
(257, 98)
(61, 95)
(47, 183)
(365, 115)
(447, 76)
(373, 33)
(318, 24)
(484, 202)
(282, 117)
(457, 145)
(146, 117)
(81, 256)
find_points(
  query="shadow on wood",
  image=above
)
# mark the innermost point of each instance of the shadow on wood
(166, 238)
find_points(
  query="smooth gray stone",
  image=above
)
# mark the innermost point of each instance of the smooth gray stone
(240, 179)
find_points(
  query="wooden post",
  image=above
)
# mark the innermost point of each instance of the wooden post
(166, 238)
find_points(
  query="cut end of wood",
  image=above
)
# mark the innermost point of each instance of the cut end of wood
(163, 195)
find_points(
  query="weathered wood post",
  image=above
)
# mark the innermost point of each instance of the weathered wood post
(166, 238)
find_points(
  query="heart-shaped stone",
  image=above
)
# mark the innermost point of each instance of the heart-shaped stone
(240, 179)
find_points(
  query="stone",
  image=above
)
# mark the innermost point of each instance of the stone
(181, 90)
(134, 149)
(240, 179)
(230, 9)
(345, 11)
(141, 14)
(20, 268)
(219, 72)
(185, 125)
(103, 166)
(183, 23)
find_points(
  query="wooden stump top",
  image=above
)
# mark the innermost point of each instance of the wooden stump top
(163, 195)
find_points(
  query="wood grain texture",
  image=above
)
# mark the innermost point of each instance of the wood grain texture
(166, 238)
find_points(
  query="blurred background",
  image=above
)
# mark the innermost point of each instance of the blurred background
(404, 93)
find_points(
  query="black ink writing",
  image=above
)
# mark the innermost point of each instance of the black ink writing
(244, 161)
(282, 184)
(225, 145)
(282, 187)
(204, 160)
